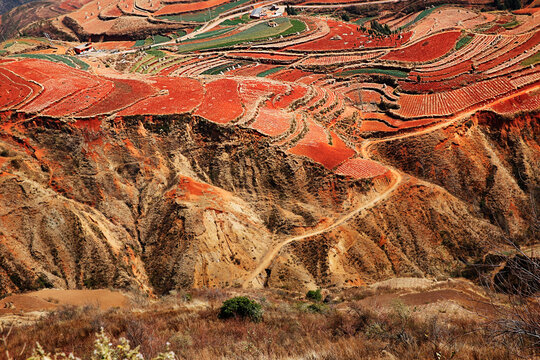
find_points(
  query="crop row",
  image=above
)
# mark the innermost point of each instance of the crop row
(361, 168)
(451, 102)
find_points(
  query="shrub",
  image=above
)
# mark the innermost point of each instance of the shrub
(241, 307)
(314, 295)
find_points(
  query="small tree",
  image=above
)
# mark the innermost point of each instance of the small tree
(241, 307)
(314, 295)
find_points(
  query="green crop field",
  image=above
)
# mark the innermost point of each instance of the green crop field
(65, 59)
(236, 21)
(531, 60)
(206, 15)
(212, 33)
(257, 32)
(463, 41)
(396, 73)
(270, 71)
(158, 39)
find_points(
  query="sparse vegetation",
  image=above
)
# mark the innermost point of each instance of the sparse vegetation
(348, 329)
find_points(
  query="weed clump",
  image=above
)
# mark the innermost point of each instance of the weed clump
(314, 295)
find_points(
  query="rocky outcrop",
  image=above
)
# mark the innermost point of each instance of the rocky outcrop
(157, 203)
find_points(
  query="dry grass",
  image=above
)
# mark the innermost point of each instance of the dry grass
(342, 330)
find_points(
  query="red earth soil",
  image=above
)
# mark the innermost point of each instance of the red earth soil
(289, 75)
(426, 50)
(58, 80)
(80, 100)
(349, 36)
(13, 89)
(524, 102)
(221, 102)
(181, 95)
(125, 93)
(375, 126)
(315, 146)
(361, 169)
(282, 102)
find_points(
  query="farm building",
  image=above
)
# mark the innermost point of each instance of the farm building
(83, 48)
(258, 13)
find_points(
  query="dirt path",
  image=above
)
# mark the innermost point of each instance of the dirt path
(271, 254)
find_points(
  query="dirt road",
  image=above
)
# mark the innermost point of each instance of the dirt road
(272, 253)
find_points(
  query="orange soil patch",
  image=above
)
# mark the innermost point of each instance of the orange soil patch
(315, 146)
(182, 95)
(221, 102)
(289, 75)
(180, 8)
(375, 126)
(272, 122)
(349, 36)
(297, 92)
(50, 299)
(12, 91)
(361, 169)
(524, 102)
(429, 49)
(190, 189)
(113, 45)
(369, 96)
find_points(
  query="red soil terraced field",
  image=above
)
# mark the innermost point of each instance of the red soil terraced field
(181, 95)
(80, 100)
(524, 102)
(361, 169)
(339, 59)
(426, 50)
(284, 101)
(221, 102)
(289, 75)
(125, 93)
(348, 36)
(272, 122)
(451, 102)
(13, 89)
(265, 56)
(58, 80)
(181, 8)
(315, 146)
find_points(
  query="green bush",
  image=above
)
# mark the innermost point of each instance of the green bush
(317, 308)
(314, 295)
(241, 307)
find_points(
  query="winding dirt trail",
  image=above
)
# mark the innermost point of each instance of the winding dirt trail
(397, 179)
(272, 253)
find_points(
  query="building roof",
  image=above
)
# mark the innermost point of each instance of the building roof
(257, 12)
